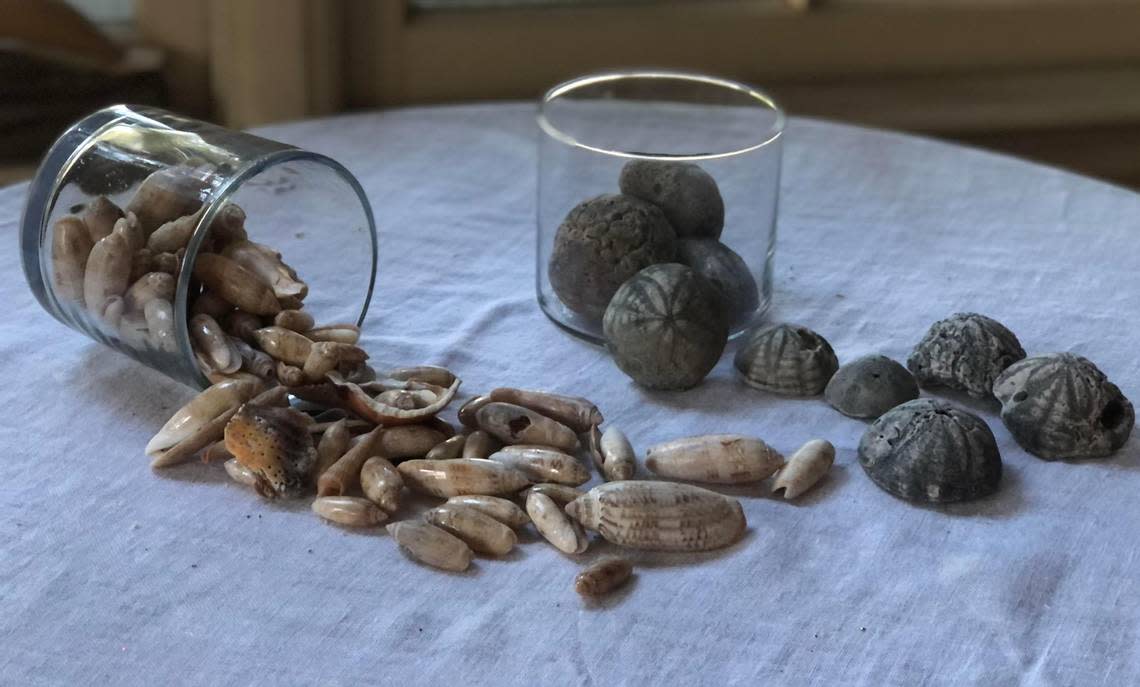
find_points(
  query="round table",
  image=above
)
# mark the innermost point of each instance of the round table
(115, 573)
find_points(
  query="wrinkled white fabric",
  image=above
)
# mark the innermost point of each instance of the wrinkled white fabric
(112, 573)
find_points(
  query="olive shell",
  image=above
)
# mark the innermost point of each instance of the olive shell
(686, 193)
(965, 351)
(1061, 406)
(665, 327)
(726, 271)
(931, 452)
(602, 243)
(870, 386)
(786, 359)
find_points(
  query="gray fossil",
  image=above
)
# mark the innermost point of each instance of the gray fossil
(786, 359)
(965, 351)
(1061, 406)
(870, 386)
(726, 271)
(688, 195)
(929, 451)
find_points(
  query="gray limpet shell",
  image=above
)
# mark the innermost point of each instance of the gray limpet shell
(688, 195)
(1061, 406)
(665, 327)
(931, 452)
(870, 386)
(726, 271)
(786, 359)
(965, 351)
(603, 242)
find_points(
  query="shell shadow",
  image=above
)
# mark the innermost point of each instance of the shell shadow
(195, 471)
(660, 559)
(1005, 503)
(721, 393)
(1127, 457)
(835, 478)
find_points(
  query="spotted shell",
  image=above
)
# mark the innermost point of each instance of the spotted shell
(965, 351)
(1061, 405)
(870, 386)
(786, 359)
(665, 327)
(929, 451)
(276, 445)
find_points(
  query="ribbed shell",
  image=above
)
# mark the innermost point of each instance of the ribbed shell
(666, 327)
(930, 451)
(1062, 406)
(965, 351)
(870, 386)
(786, 359)
(660, 516)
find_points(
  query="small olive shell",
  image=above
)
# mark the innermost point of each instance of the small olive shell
(929, 451)
(965, 351)
(1061, 405)
(686, 193)
(665, 327)
(786, 359)
(602, 243)
(870, 386)
(726, 271)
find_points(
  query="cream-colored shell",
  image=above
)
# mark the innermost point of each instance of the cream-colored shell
(506, 512)
(542, 464)
(562, 532)
(351, 511)
(447, 478)
(430, 545)
(716, 458)
(807, 466)
(480, 531)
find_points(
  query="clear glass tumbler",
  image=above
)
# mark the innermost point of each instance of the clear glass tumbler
(188, 188)
(704, 151)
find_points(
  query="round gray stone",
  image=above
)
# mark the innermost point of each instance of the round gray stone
(870, 386)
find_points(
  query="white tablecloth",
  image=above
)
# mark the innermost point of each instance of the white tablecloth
(112, 573)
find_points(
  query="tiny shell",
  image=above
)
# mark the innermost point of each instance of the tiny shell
(514, 424)
(807, 466)
(275, 444)
(381, 483)
(559, 493)
(344, 475)
(542, 464)
(603, 576)
(563, 533)
(506, 512)
(870, 386)
(717, 458)
(932, 452)
(351, 511)
(1061, 406)
(577, 413)
(447, 478)
(481, 532)
(618, 458)
(430, 545)
(786, 359)
(240, 473)
(965, 351)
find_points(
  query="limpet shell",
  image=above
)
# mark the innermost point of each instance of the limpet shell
(786, 359)
(965, 351)
(869, 386)
(929, 451)
(726, 271)
(666, 327)
(686, 193)
(1061, 406)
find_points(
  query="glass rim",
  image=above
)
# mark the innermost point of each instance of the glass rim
(759, 98)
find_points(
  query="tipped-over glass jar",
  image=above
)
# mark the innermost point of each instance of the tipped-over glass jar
(173, 240)
(642, 168)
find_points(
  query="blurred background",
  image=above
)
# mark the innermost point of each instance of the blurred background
(1052, 80)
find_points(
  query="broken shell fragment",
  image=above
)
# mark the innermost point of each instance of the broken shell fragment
(430, 545)
(542, 464)
(717, 458)
(284, 344)
(297, 320)
(206, 406)
(266, 265)
(449, 448)
(1061, 406)
(325, 356)
(336, 393)
(214, 345)
(381, 483)
(965, 351)
(235, 284)
(786, 359)
(506, 512)
(428, 374)
(344, 475)
(563, 533)
(70, 248)
(929, 451)
(618, 459)
(468, 410)
(350, 511)
(99, 217)
(148, 287)
(807, 466)
(579, 414)
(479, 444)
(870, 386)
(559, 493)
(603, 576)
(240, 473)
(107, 272)
(479, 531)
(514, 424)
(660, 516)
(276, 445)
(447, 478)
(340, 333)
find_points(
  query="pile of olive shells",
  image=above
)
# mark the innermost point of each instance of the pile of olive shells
(1057, 406)
(648, 262)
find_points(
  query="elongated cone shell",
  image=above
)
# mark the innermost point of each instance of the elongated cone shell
(430, 545)
(204, 407)
(448, 448)
(297, 320)
(447, 478)
(716, 458)
(283, 344)
(107, 273)
(512, 424)
(559, 493)
(467, 411)
(807, 466)
(563, 533)
(481, 532)
(333, 444)
(350, 511)
(213, 343)
(506, 512)
(159, 316)
(381, 483)
(70, 247)
(618, 458)
(339, 333)
(236, 284)
(275, 444)
(577, 413)
(542, 464)
(660, 516)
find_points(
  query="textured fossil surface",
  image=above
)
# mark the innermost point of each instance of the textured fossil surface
(786, 359)
(965, 351)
